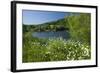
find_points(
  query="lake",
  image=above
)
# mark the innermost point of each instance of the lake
(51, 34)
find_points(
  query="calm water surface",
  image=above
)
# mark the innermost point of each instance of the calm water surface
(51, 34)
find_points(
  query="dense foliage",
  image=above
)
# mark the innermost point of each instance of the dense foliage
(57, 49)
(79, 26)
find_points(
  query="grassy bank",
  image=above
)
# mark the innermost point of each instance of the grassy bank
(55, 49)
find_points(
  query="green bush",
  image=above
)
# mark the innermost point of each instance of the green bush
(79, 26)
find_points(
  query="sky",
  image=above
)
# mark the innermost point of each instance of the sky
(33, 17)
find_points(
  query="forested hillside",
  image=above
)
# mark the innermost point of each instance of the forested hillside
(58, 25)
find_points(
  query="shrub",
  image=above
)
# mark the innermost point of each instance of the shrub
(79, 26)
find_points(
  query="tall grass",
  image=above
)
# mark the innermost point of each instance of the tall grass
(55, 49)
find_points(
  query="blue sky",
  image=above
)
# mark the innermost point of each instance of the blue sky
(32, 17)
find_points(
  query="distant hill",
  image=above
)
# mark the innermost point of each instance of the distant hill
(58, 25)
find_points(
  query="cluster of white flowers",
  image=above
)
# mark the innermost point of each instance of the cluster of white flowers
(69, 49)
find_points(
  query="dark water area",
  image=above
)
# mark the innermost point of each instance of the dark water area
(51, 34)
